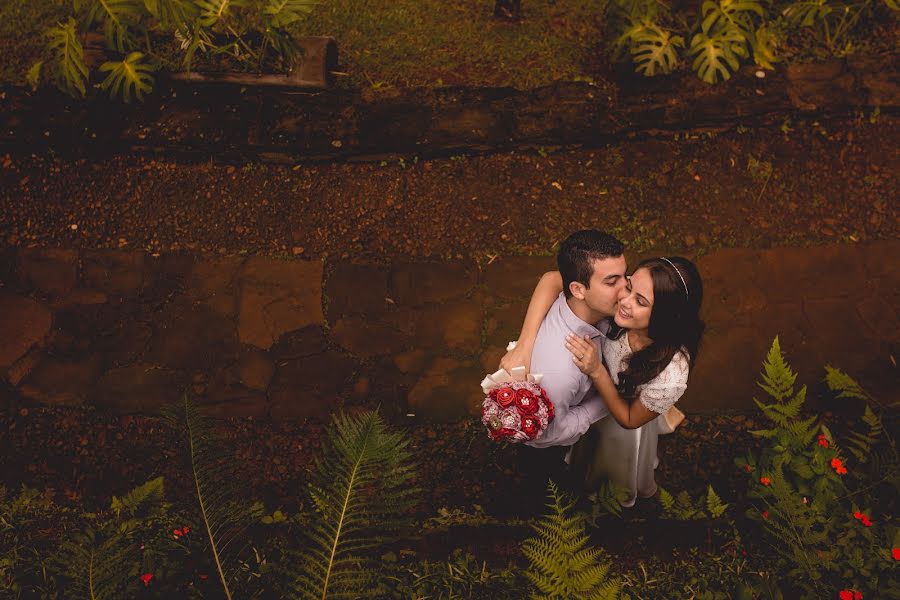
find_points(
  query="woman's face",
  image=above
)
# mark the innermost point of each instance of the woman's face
(636, 301)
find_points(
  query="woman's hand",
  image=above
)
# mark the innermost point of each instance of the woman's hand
(520, 356)
(585, 355)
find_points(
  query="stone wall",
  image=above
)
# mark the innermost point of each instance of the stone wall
(128, 332)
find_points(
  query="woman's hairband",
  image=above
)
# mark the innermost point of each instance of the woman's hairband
(683, 282)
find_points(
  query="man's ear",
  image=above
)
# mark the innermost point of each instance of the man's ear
(577, 290)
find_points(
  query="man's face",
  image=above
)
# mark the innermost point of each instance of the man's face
(607, 281)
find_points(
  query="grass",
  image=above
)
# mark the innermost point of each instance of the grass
(435, 42)
(22, 23)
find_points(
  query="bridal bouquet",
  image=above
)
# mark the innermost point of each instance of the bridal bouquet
(515, 407)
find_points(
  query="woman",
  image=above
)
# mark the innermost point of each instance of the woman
(650, 347)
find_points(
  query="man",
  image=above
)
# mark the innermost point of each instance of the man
(593, 271)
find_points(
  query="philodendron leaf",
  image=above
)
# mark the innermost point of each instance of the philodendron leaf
(654, 51)
(127, 77)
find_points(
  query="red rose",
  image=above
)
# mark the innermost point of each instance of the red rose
(500, 434)
(526, 402)
(895, 552)
(146, 577)
(530, 426)
(506, 396)
(551, 413)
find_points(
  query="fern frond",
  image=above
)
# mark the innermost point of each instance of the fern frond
(128, 76)
(223, 519)
(562, 566)
(142, 498)
(714, 504)
(778, 378)
(844, 385)
(71, 72)
(362, 491)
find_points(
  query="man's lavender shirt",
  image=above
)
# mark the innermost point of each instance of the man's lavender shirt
(577, 405)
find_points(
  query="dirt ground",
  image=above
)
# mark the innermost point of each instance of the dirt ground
(803, 183)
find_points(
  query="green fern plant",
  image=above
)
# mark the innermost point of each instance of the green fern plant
(682, 508)
(363, 492)
(806, 495)
(223, 519)
(99, 562)
(562, 566)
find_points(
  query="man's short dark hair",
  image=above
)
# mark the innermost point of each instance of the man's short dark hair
(578, 251)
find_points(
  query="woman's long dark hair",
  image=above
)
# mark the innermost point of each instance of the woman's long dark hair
(675, 324)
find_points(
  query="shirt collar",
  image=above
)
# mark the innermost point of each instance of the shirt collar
(573, 322)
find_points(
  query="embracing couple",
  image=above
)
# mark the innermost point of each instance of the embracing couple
(615, 352)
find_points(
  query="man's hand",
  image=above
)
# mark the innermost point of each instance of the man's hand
(520, 356)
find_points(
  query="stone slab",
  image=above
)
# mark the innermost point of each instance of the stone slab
(23, 323)
(278, 296)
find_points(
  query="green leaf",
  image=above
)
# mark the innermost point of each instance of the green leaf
(654, 51)
(763, 43)
(128, 76)
(729, 14)
(561, 563)
(806, 13)
(71, 72)
(214, 11)
(148, 495)
(116, 16)
(34, 75)
(172, 14)
(281, 13)
(844, 385)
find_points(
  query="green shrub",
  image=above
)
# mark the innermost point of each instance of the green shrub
(820, 508)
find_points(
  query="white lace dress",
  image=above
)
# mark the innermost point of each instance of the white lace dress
(628, 456)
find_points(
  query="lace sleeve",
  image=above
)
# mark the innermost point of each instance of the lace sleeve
(663, 392)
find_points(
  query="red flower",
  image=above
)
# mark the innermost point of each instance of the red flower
(748, 468)
(765, 514)
(865, 521)
(838, 466)
(186, 529)
(146, 577)
(499, 434)
(506, 396)
(526, 402)
(530, 426)
(551, 413)
(823, 441)
(857, 595)
(895, 552)
(845, 595)
(765, 480)
(857, 515)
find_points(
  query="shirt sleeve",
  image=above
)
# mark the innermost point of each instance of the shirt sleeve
(660, 394)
